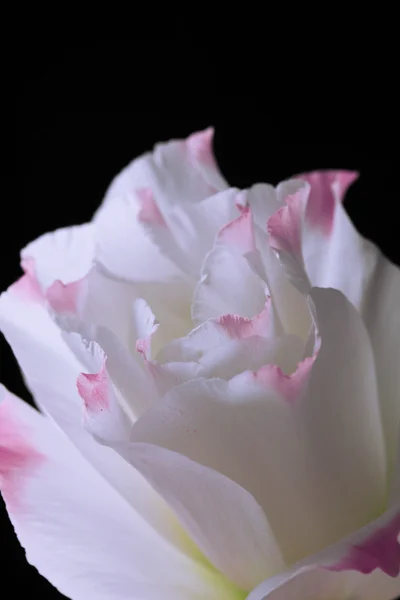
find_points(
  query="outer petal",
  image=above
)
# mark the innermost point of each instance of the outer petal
(68, 518)
(363, 566)
(124, 247)
(51, 371)
(65, 254)
(335, 255)
(224, 520)
(320, 584)
(150, 195)
(313, 439)
(178, 171)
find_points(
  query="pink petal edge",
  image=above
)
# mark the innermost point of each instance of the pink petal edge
(93, 388)
(200, 148)
(149, 211)
(65, 297)
(327, 187)
(237, 327)
(285, 226)
(18, 456)
(381, 550)
(288, 386)
(239, 233)
(27, 287)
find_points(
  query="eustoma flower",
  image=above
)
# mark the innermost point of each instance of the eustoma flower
(218, 375)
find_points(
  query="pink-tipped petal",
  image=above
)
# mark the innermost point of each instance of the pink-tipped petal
(66, 298)
(289, 387)
(237, 327)
(65, 255)
(18, 456)
(239, 233)
(144, 325)
(93, 388)
(334, 255)
(380, 550)
(200, 147)
(327, 187)
(27, 286)
(322, 451)
(285, 226)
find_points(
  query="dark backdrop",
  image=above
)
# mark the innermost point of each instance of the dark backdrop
(66, 158)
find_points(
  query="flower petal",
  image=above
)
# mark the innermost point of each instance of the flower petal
(158, 194)
(51, 371)
(178, 171)
(250, 239)
(333, 254)
(317, 442)
(224, 520)
(124, 248)
(68, 518)
(64, 255)
(363, 566)
(190, 229)
(221, 348)
(320, 584)
(227, 285)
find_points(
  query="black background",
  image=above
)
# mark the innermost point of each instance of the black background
(66, 153)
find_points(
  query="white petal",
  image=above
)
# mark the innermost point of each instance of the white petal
(395, 487)
(178, 172)
(68, 519)
(188, 231)
(335, 255)
(313, 439)
(51, 371)
(124, 247)
(150, 196)
(263, 201)
(320, 584)
(291, 307)
(303, 584)
(224, 520)
(65, 254)
(227, 285)
(363, 566)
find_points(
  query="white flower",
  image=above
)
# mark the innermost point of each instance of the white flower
(236, 359)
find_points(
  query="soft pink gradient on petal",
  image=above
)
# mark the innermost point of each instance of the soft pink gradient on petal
(27, 286)
(327, 187)
(242, 203)
(239, 233)
(289, 387)
(94, 391)
(284, 227)
(149, 211)
(65, 297)
(381, 550)
(237, 327)
(143, 345)
(17, 457)
(200, 146)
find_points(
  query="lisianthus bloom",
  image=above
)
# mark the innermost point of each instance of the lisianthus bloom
(218, 377)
